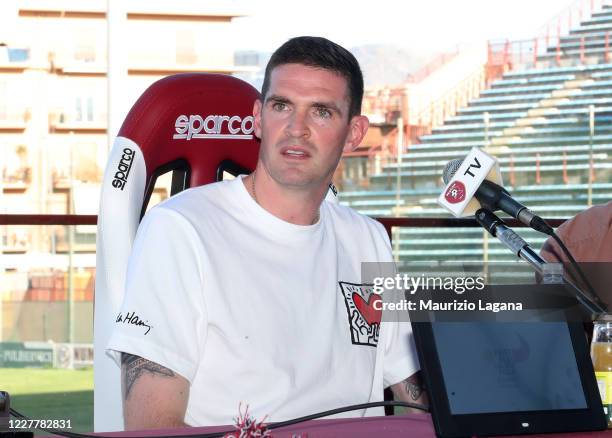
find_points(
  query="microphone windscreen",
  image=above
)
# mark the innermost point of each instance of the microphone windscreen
(450, 169)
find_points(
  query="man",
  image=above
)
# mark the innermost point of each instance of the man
(249, 291)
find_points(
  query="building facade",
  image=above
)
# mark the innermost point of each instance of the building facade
(54, 136)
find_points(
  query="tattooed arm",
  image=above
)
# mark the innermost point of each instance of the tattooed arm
(411, 390)
(154, 397)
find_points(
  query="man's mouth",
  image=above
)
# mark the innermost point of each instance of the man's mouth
(294, 152)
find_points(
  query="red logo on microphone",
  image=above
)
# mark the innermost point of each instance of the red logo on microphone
(455, 193)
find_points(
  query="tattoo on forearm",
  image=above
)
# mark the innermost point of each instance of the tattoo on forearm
(414, 389)
(135, 366)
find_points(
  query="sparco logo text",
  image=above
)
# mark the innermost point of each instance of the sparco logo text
(213, 127)
(123, 169)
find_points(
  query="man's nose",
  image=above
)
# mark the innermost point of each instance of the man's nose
(298, 125)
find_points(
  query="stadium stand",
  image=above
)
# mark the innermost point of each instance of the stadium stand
(550, 126)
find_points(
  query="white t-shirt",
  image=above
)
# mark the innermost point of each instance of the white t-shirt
(252, 309)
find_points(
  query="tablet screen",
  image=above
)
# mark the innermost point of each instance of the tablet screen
(508, 367)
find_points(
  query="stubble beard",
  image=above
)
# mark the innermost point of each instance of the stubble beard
(296, 177)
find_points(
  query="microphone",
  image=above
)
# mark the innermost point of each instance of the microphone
(494, 197)
(469, 188)
(515, 243)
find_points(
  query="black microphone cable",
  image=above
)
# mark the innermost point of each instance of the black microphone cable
(276, 425)
(280, 424)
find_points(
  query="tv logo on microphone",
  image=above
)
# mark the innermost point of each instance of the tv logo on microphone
(214, 127)
(476, 165)
(455, 193)
(458, 195)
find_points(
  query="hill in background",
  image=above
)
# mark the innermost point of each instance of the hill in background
(381, 64)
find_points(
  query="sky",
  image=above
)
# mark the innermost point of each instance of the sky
(418, 25)
(430, 25)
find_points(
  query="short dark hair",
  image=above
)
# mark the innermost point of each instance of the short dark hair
(323, 53)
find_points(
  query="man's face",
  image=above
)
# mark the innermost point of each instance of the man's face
(304, 126)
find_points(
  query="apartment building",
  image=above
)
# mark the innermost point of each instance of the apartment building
(53, 120)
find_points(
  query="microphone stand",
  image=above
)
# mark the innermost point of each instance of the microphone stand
(497, 228)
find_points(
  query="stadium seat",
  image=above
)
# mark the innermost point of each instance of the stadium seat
(195, 125)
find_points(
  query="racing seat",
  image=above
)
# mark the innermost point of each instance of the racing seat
(197, 126)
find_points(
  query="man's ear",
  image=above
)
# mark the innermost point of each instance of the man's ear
(357, 130)
(257, 118)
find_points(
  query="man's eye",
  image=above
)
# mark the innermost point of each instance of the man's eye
(279, 106)
(324, 113)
